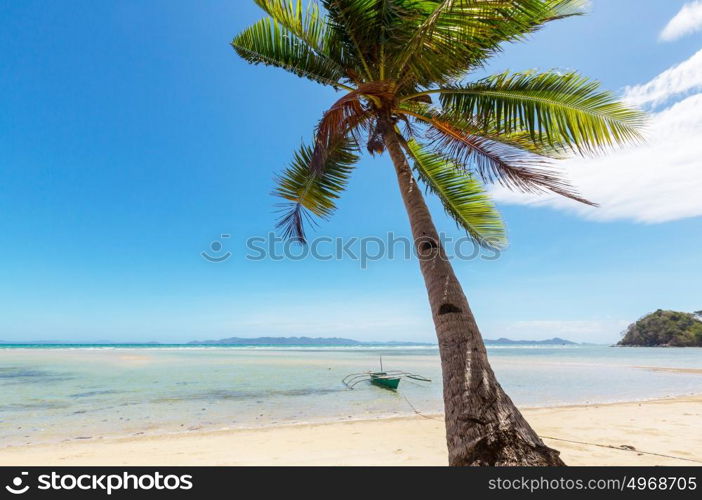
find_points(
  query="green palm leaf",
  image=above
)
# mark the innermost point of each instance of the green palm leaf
(310, 194)
(463, 197)
(554, 108)
(512, 160)
(519, 138)
(391, 55)
(307, 23)
(269, 42)
(496, 161)
(451, 36)
(352, 24)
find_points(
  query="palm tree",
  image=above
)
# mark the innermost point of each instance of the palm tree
(392, 59)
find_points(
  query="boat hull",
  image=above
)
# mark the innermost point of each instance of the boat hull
(382, 380)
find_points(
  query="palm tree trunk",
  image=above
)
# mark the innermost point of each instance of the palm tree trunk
(483, 427)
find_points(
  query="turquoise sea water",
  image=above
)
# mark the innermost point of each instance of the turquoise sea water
(88, 392)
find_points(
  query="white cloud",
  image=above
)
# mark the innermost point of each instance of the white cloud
(685, 22)
(680, 79)
(658, 181)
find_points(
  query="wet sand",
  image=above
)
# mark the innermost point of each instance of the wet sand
(659, 432)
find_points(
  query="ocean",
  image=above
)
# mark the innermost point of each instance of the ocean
(57, 393)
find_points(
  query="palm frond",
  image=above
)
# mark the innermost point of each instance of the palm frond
(345, 117)
(522, 141)
(554, 108)
(307, 23)
(455, 35)
(269, 42)
(391, 56)
(309, 194)
(463, 197)
(497, 162)
(351, 22)
(519, 139)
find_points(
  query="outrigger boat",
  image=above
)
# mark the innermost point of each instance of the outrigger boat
(385, 379)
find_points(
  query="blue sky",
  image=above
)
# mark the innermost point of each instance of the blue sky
(132, 137)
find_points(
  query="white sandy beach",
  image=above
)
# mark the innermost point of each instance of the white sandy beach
(663, 429)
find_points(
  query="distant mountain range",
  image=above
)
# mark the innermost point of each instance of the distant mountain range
(75, 342)
(350, 342)
(319, 341)
(295, 341)
(553, 341)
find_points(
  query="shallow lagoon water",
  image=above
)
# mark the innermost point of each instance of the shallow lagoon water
(54, 394)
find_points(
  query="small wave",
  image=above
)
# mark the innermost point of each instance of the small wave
(39, 405)
(20, 375)
(90, 394)
(219, 395)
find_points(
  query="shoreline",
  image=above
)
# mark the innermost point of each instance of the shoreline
(586, 434)
(206, 429)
